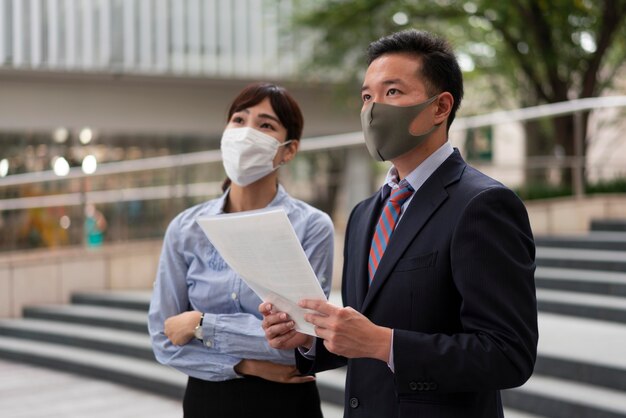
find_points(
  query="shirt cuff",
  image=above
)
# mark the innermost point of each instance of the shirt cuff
(310, 353)
(390, 362)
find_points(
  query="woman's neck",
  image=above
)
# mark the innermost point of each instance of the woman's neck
(254, 196)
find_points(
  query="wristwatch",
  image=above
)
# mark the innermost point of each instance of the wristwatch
(197, 331)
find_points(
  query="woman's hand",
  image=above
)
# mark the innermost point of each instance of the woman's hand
(179, 328)
(271, 371)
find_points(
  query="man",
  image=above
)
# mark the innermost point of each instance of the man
(438, 278)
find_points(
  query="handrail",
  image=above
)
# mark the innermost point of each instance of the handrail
(320, 143)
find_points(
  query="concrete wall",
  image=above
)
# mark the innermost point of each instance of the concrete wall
(569, 215)
(51, 276)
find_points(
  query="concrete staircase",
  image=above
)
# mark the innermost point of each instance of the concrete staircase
(581, 295)
(580, 372)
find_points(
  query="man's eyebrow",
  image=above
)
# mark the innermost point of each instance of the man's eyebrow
(386, 83)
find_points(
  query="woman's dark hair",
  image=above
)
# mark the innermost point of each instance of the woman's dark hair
(440, 69)
(284, 105)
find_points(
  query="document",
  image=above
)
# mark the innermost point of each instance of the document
(261, 246)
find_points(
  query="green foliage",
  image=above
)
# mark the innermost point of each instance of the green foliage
(546, 191)
(544, 51)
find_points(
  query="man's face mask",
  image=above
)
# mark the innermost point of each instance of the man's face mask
(387, 128)
(248, 154)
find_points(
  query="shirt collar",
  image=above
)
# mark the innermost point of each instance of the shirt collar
(422, 172)
(278, 200)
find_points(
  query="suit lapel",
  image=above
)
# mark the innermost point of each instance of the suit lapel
(424, 204)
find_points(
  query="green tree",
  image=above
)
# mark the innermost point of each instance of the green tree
(532, 51)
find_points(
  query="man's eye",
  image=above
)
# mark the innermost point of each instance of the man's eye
(366, 97)
(392, 92)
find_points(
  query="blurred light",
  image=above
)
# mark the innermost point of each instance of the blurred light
(470, 7)
(90, 164)
(466, 62)
(522, 47)
(65, 222)
(60, 166)
(85, 136)
(60, 135)
(4, 167)
(400, 18)
(587, 42)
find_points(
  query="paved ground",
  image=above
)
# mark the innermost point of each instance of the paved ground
(33, 392)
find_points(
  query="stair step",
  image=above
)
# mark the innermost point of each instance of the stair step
(584, 281)
(612, 241)
(122, 319)
(558, 398)
(133, 300)
(613, 225)
(137, 373)
(581, 259)
(115, 341)
(587, 342)
(608, 308)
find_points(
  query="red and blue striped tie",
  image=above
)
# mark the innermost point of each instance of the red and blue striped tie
(386, 224)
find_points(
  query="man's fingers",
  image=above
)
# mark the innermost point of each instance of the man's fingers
(320, 306)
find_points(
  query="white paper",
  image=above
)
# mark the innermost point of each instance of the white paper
(262, 247)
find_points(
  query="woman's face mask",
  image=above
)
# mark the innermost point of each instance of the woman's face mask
(387, 128)
(248, 154)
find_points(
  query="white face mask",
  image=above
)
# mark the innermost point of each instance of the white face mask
(248, 154)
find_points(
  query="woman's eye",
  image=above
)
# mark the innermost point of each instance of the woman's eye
(267, 126)
(366, 97)
(237, 119)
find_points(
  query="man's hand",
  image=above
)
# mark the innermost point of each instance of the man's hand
(271, 371)
(348, 333)
(179, 328)
(279, 330)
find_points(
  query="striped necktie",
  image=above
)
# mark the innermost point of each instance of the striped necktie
(386, 225)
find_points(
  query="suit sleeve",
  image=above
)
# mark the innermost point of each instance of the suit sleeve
(492, 257)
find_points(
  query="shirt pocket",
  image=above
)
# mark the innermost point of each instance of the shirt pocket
(416, 262)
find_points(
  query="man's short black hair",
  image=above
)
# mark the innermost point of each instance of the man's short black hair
(440, 69)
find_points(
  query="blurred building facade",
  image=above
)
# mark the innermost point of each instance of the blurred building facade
(92, 82)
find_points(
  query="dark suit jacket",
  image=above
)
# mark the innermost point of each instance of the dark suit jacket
(456, 284)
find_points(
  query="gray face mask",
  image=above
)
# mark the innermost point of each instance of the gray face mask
(386, 129)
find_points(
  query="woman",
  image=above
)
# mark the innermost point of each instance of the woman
(203, 318)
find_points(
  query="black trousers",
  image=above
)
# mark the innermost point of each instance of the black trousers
(250, 397)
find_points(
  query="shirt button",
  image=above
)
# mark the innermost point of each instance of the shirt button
(208, 343)
(323, 280)
(354, 403)
(233, 296)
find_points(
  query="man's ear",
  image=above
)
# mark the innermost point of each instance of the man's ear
(444, 107)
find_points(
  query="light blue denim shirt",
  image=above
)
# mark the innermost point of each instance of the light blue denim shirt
(193, 276)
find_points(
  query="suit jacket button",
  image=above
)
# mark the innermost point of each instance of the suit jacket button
(413, 386)
(420, 386)
(432, 386)
(354, 403)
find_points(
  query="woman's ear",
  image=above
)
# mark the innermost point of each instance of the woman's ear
(291, 149)
(444, 107)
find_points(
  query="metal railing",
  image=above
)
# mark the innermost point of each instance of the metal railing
(146, 193)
